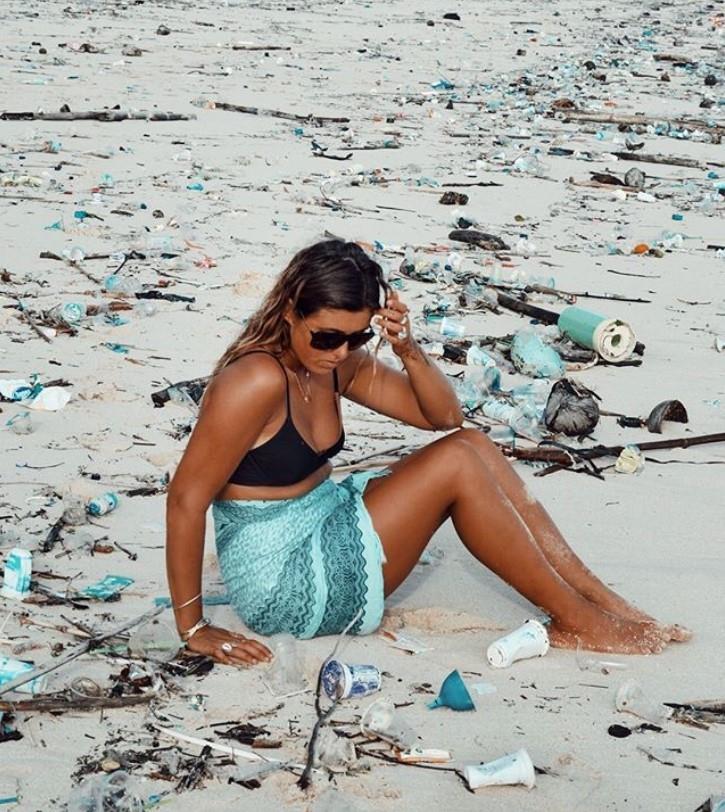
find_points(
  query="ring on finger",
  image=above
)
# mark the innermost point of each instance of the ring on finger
(227, 648)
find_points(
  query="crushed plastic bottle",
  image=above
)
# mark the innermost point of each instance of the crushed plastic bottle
(121, 285)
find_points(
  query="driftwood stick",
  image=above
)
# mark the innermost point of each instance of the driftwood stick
(474, 183)
(639, 120)
(60, 702)
(560, 457)
(24, 313)
(94, 642)
(526, 309)
(93, 115)
(59, 258)
(685, 60)
(260, 111)
(647, 158)
(241, 47)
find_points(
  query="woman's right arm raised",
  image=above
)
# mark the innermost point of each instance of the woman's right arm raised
(236, 406)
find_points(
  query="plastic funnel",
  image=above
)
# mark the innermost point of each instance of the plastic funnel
(453, 694)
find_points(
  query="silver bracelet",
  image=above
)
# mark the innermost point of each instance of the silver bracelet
(189, 633)
(189, 602)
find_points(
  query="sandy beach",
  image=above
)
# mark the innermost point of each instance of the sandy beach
(352, 119)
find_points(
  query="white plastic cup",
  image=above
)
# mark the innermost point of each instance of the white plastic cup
(529, 640)
(511, 769)
(630, 698)
(382, 721)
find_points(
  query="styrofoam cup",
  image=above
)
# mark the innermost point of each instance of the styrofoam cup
(529, 640)
(514, 768)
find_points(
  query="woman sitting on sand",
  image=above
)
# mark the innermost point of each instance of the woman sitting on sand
(302, 554)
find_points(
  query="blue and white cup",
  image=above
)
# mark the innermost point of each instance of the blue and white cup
(342, 680)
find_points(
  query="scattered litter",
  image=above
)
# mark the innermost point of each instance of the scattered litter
(107, 588)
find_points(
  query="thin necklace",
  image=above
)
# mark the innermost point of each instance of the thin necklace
(306, 396)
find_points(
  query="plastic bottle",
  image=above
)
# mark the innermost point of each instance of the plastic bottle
(121, 285)
(103, 504)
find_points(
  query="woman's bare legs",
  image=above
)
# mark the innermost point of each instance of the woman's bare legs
(450, 478)
(553, 545)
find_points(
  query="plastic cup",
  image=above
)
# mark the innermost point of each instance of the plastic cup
(154, 640)
(630, 698)
(452, 327)
(342, 680)
(511, 769)
(529, 640)
(382, 721)
(285, 675)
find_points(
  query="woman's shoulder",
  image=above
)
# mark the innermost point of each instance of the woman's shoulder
(257, 374)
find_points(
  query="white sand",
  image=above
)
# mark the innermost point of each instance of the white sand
(655, 537)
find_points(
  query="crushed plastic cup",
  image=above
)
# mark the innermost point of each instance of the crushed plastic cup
(382, 721)
(530, 640)
(115, 792)
(334, 751)
(514, 768)
(85, 687)
(21, 423)
(285, 675)
(74, 510)
(453, 328)
(585, 663)
(154, 640)
(630, 698)
(630, 460)
(453, 694)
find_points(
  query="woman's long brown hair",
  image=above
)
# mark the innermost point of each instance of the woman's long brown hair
(330, 274)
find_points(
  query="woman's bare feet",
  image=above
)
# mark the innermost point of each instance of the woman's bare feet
(619, 607)
(611, 634)
(677, 633)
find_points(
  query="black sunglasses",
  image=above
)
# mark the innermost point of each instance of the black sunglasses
(327, 340)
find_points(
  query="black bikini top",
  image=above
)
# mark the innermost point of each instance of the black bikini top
(286, 458)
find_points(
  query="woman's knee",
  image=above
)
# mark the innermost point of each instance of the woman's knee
(475, 438)
(463, 450)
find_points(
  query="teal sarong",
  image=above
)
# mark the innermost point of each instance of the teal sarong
(305, 566)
